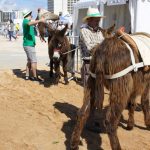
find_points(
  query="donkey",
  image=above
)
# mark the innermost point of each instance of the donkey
(111, 57)
(58, 48)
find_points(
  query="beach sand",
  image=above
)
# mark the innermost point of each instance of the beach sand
(42, 116)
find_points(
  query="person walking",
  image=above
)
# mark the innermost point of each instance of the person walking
(29, 46)
(11, 30)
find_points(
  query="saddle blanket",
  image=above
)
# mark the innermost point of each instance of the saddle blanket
(143, 44)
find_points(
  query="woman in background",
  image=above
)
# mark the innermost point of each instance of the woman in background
(11, 30)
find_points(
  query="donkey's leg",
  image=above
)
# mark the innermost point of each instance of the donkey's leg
(97, 92)
(65, 70)
(82, 117)
(90, 125)
(145, 102)
(57, 71)
(112, 119)
(51, 67)
(131, 108)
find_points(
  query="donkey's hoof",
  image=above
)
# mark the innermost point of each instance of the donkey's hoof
(74, 148)
(66, 81)
(147, 124)
(130, 124)
(129, 127)
(148, 128)
(56, 82)
(51, 74)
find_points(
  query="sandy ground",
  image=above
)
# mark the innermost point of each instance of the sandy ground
(42, 116)
(12, 54)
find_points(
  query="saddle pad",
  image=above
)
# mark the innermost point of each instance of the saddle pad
(143, 44)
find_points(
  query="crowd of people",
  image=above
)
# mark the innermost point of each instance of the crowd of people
(10, 30)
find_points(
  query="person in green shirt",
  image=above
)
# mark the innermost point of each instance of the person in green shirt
(29, 43)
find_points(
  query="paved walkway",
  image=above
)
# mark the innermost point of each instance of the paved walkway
(12, 55)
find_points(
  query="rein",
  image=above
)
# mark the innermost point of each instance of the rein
(69, 51)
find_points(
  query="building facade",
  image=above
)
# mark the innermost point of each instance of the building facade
(1, 16)
(61, 6)
(7, 15)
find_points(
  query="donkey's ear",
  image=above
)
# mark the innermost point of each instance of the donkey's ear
(63, 31)
(111, 29)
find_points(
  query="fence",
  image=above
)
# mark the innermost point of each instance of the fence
(74, 64)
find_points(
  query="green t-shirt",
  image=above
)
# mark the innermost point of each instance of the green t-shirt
(28, 34)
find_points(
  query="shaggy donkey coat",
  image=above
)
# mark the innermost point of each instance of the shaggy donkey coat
(113, 56)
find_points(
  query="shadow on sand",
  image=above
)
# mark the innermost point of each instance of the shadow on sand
(92, 139)
(43, 74)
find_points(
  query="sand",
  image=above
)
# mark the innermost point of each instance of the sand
(42, 116)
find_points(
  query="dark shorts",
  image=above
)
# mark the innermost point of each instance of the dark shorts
(31, 54)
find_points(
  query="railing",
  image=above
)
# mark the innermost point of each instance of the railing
(75, 64)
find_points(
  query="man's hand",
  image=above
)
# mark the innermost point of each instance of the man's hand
(42, 19)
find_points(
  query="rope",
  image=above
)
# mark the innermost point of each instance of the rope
(69, 51)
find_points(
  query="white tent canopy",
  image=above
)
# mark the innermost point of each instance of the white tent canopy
(133, 14)
(140, 11)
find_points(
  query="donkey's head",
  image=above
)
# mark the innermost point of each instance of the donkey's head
(57, 42)
(43, 28)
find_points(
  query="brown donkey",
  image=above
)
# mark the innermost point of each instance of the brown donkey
(111, 57)
(58, 48)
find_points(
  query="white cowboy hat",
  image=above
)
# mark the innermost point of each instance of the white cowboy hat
(48, 15)
(26, 13)
(93, 12)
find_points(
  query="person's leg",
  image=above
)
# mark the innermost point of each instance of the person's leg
(34, 69)
(9, 33)
(28, 68)
(16, 34)
(28, 65)
(33, 59)
(13, 35)
(31, 54)
(85, 72)
(34, 64)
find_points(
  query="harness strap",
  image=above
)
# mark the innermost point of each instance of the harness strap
(121, 73)
(132, 57)
(134, 67)
(125, 71)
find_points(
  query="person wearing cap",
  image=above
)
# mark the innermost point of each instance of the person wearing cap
(29, 45)
(90, 36)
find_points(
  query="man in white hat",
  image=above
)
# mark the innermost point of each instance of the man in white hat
(90, 36)
(29, 45)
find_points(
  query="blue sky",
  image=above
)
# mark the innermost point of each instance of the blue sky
(23, 4)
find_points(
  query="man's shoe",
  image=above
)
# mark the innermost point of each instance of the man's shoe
(26, 77)
(35, 79)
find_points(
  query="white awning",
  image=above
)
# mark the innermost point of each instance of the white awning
(85, 4)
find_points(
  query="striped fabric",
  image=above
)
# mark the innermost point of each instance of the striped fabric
(88, 40)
